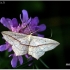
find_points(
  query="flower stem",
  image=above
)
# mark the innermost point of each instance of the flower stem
(33, 66)
(36, 66)
(43, 63)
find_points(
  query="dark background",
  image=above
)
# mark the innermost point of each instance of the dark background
(56, 16)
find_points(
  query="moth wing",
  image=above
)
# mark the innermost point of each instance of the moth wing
(22, 38)
(41, 45)
(18, 41)
(20, 51)
(35, 52)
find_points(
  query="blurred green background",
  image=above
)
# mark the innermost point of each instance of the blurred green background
(56, 16)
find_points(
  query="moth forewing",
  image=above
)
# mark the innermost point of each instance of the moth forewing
(18, 41)
(38, 46)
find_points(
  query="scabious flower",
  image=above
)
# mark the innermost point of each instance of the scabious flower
(27, 26)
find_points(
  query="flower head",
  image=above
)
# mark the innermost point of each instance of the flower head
(29, 25)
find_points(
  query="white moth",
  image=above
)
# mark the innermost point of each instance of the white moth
(27, 44)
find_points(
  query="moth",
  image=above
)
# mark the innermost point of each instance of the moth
(27, 44)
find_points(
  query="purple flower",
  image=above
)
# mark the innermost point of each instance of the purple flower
(29, 25)
(6, 46)
(15, 59)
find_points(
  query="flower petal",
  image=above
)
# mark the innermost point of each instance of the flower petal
(29, 20)
(25, 16)
(27, 30)
(7, 45)
(10, 49)
(14, 22)
(34, 21)
(23, 25)
(3, 47)
(41, 27)
(5, 22)
(20, 60)
(27, 56)
(14, 61)
(13, 29)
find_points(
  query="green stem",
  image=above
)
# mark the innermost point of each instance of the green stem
(36, 66)
(43, 63)
(33, 66)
